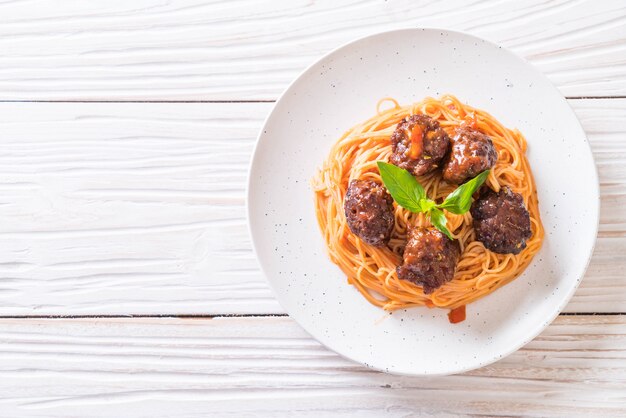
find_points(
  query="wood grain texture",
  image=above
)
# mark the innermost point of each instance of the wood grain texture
(248, 49)
(262, 367)
(139, 209)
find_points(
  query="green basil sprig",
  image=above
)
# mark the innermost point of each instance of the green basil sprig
(409, 193)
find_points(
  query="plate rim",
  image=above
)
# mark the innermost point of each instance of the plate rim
(537, 329)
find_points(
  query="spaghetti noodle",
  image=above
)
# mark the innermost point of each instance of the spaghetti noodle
(372, 270)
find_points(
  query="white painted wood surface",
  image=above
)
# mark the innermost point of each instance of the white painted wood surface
(138, 208)
(249, 49)
(268, 367)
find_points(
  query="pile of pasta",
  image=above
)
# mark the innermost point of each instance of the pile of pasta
(373, 270)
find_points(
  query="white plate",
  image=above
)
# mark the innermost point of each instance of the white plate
(342, 89)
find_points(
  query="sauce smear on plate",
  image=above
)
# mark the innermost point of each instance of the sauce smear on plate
(457, 315)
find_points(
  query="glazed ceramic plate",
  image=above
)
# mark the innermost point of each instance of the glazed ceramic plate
(342, 89)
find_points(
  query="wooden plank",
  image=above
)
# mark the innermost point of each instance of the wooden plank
(604, 285)
(262, 367)
(139, 209)
(127, 208)
(248, 49)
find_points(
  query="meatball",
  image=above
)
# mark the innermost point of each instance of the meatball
(369, 211)
(471, 153)
(430, 258)
(501, 221)
(419, 144)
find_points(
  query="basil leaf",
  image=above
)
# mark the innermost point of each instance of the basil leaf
(438, 219)
(402, 186)
(426, 205)
(460, 200)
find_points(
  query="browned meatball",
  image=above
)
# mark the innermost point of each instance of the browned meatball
(501, 221)
(369, 211)
(419, 144)
(429, 258)
(471, 153)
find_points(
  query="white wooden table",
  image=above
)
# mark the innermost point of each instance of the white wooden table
(128, 286)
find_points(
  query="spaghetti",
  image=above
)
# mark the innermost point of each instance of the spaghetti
(372, 270)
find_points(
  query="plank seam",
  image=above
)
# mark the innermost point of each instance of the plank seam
(203, 316)
(168, 315)
(140, 101)
(235, 101)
